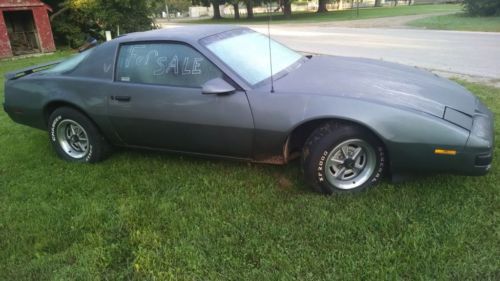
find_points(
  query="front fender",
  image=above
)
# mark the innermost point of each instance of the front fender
(410, 136)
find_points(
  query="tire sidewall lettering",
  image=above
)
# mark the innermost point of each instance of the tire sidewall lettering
(89, 154)
(321, 166)
(53, 128)
(381, 165)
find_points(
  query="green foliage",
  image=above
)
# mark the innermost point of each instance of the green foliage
(205, 3)
(129, 15)
(72, 29)
(75, 20)
(482, 7)
(178, 5)
(153, 216)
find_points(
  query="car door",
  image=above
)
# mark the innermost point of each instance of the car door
(156, 101)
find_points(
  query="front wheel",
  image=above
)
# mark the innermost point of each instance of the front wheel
(342, 158)
(75, 138)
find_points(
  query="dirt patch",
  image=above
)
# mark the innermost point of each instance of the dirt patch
(283, 182)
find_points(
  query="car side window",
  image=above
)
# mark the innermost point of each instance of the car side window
(165, 64)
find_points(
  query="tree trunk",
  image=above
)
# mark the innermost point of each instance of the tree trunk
(409, 3)
(249, 4)
(287, 8)
(378, 3)
(216, 10)
(279, 5)
(236, 11)
(395, 3)
(322, 6)
(62, 10)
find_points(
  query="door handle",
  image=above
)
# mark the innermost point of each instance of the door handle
(121, 98)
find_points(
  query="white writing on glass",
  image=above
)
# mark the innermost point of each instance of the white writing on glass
(176, 65)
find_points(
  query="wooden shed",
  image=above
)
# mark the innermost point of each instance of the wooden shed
(24, 28)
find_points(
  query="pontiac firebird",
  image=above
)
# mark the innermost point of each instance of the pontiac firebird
(210, 90)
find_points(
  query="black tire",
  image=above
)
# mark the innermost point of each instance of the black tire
(61, 124)
(325, 145)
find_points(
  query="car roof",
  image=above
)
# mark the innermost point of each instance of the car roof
(190, 33)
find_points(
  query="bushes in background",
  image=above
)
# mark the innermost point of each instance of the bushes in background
(74, 20)
(482, 7)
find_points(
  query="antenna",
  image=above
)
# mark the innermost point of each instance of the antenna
(269, 12)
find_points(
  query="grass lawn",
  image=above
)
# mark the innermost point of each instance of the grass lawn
(365, 13)
(151, 216)
(459, 21)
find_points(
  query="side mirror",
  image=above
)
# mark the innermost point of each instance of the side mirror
(217, 86)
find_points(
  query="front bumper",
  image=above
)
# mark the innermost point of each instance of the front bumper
(480, 145)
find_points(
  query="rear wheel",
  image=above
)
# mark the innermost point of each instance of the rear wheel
(342, 158)
(75, 138)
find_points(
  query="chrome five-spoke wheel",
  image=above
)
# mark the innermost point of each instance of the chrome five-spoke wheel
(350, 164)
(72, 138)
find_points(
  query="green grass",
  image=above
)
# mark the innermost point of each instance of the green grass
(459, 21)
(152, 216)
(365, 13)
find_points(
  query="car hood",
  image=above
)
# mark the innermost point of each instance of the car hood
(377, 81)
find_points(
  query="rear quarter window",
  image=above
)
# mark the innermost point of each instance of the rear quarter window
(71, 63)
(99, 64)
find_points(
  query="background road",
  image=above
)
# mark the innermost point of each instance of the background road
(448, 52)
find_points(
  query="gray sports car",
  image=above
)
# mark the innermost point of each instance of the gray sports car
(211, 90)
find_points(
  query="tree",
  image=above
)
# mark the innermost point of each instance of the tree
(322, 6)
(130, 15)
(378, 3)
(287, 8)
(249, 4)
(216, 4)
(173, 5)
(74, 20)
(236, 7)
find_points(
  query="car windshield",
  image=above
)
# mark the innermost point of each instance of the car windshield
(70, 63)
(247, 53)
